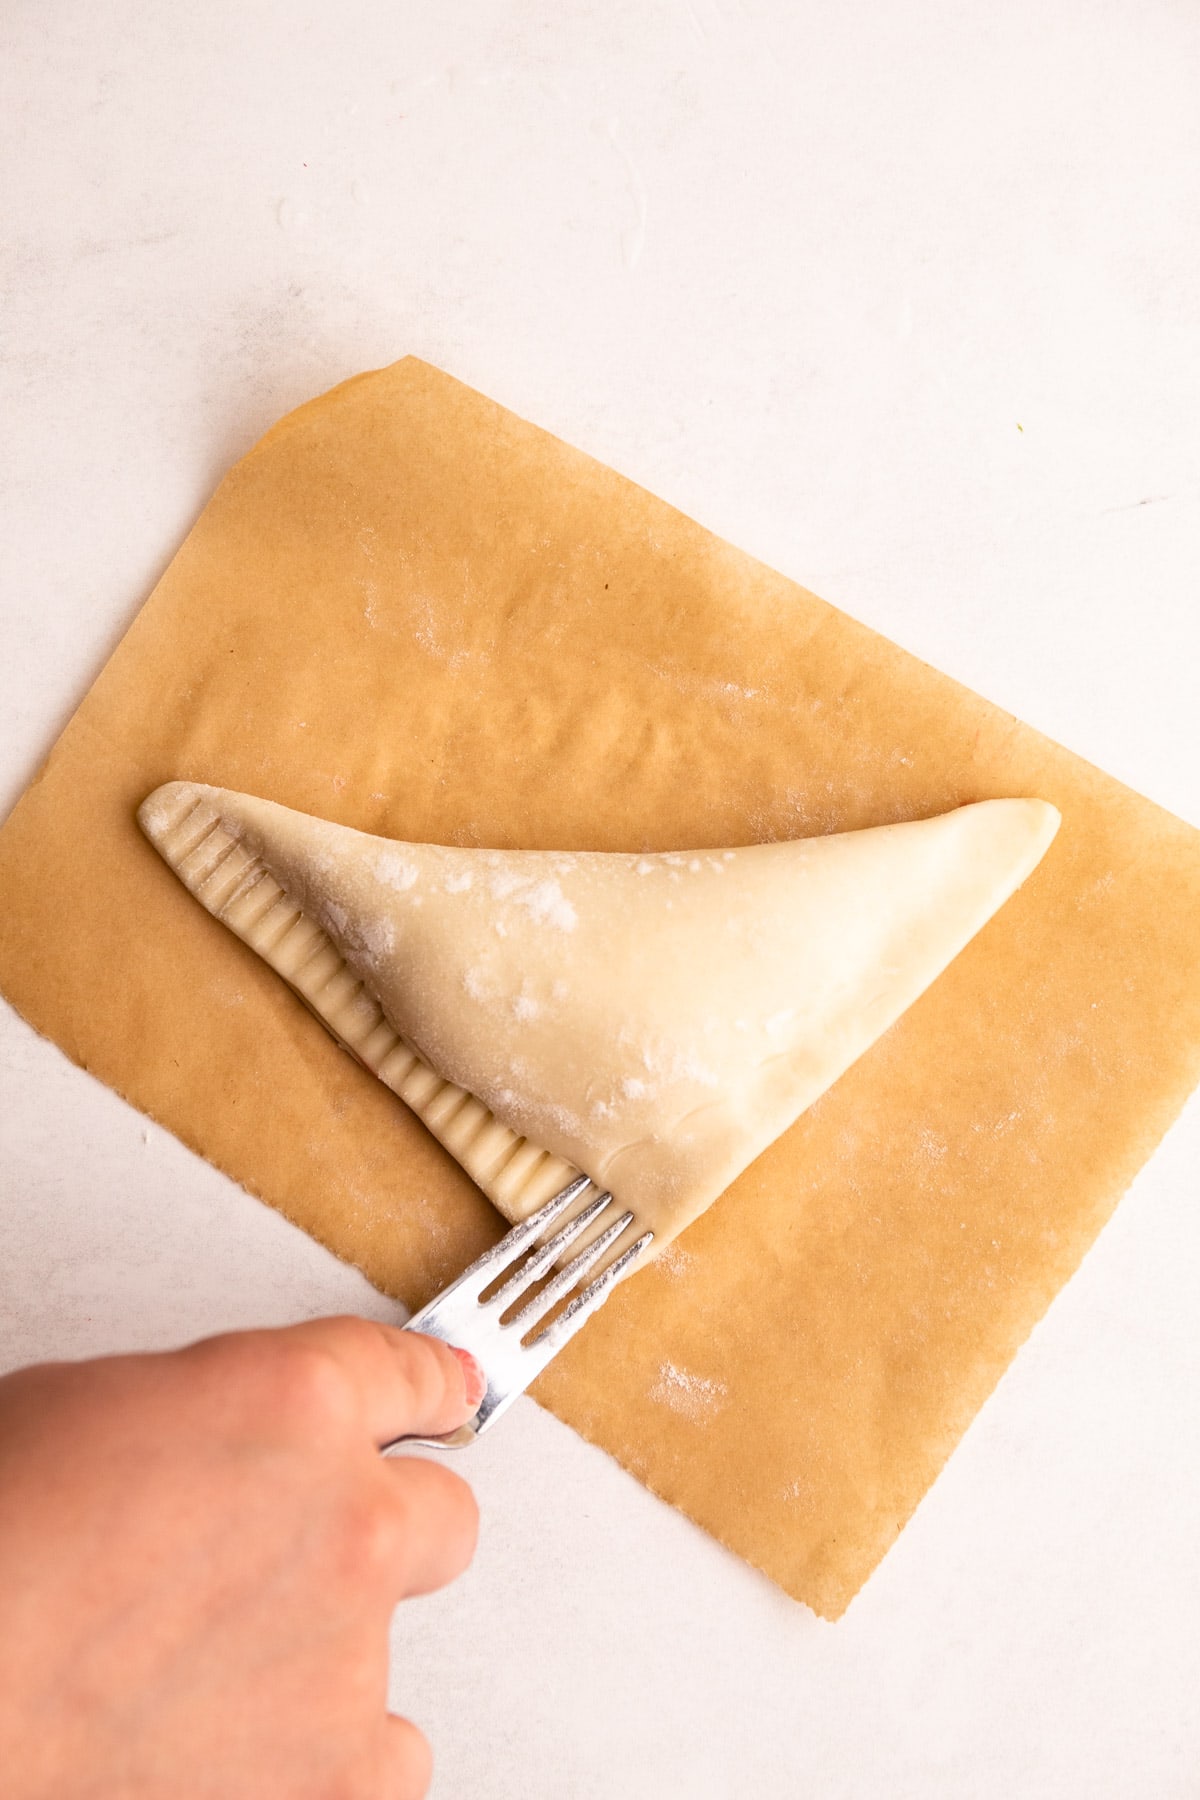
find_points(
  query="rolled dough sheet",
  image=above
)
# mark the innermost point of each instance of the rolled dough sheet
(411, 612)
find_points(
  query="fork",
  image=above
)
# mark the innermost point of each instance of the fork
(459, 1315)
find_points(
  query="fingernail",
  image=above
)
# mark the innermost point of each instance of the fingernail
(474, 1379)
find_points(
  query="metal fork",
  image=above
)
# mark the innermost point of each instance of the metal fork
(460, 1316)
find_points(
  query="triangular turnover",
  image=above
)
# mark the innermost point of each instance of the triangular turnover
(653, 1020)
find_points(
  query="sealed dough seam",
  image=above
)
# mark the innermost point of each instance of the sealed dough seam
(236, 886)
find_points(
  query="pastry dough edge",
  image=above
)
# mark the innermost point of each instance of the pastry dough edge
(222, 869)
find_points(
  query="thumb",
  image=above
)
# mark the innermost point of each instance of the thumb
(407, 1384)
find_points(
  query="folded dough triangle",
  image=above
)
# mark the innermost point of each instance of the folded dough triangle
(654, 1020)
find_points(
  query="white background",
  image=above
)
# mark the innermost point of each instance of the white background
(905, 299)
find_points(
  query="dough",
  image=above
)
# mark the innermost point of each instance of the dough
(653, 1020)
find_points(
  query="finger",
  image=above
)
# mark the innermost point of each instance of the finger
(437, 1520)
(406, 1384)
(405, 1761)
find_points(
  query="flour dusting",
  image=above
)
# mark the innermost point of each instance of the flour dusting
(546, 902)
(378, 937)
(693, 1397)
(932, 1146)
(505, 882)
(396, 871)
(158, 813)
(543, 900)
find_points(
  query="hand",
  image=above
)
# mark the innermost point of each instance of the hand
(199, 1557)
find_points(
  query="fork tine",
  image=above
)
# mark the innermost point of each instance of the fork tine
(568, 1275)
(549, 1252)
(485, 1268)
(460, 1317)
(581, 1308)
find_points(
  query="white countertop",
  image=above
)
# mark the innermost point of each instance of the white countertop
(905, 299)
